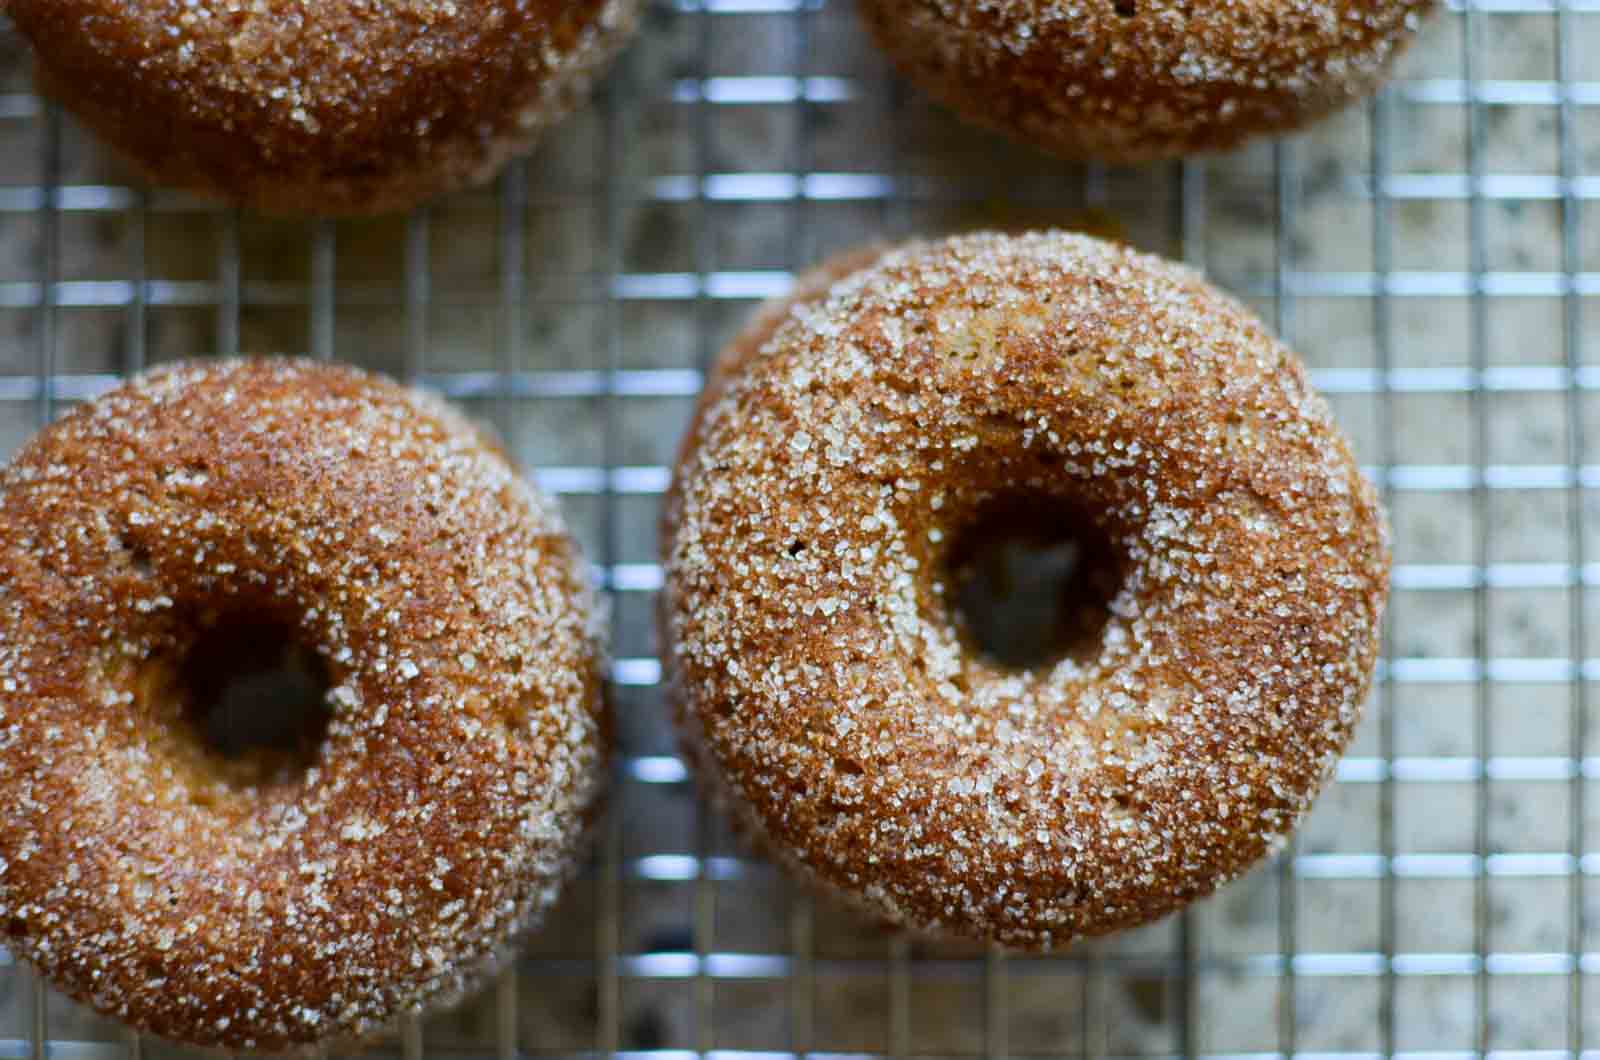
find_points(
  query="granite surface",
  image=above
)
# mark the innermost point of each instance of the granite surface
(516, 276)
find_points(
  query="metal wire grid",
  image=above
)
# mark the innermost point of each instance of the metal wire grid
(675, 991)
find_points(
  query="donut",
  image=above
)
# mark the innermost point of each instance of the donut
(312, 890)
(1136, 80)
(851, 440)
(321, 106)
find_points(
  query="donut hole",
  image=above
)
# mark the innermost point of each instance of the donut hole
(1032, 578)
(256, 697)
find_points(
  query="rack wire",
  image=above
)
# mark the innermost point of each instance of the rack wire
(1432, 254)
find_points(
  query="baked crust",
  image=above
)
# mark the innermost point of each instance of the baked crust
(446, 804)
(1136, 80)
(321, 106)
(843, 443)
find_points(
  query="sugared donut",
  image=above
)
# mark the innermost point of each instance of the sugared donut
(849, 442)
(1132, 80)
(321, 106)
(287, 895)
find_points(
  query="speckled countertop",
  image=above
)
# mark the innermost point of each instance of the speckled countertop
(1376, 199)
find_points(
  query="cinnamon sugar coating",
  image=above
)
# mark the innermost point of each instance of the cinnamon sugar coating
(1133, 80)
(321, 106)
(847, 439)
(147, 876)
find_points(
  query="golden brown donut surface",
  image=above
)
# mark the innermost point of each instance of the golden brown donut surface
(321, 106)
(443, 808)
(1133, 80)
(846, 441)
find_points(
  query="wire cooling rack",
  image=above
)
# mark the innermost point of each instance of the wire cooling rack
(1429, 252)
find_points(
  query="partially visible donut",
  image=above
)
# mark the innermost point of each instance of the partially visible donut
(252, 902)
(1134, 80)
(846, 443)
(321, 106)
